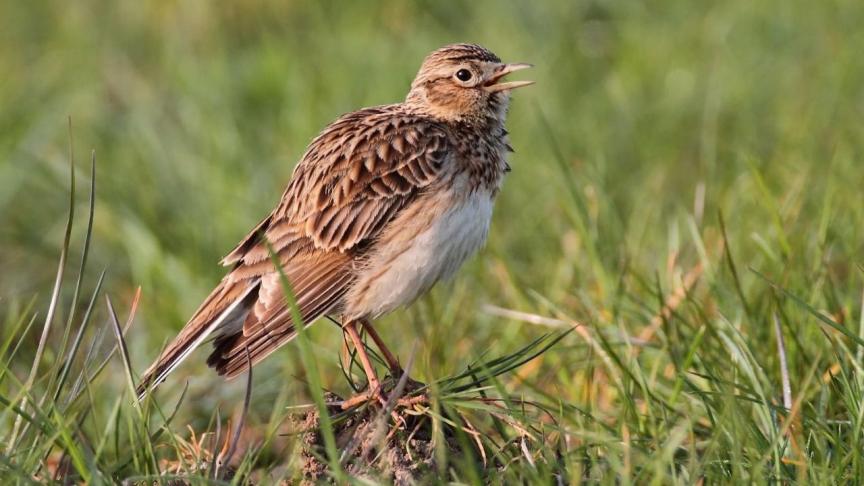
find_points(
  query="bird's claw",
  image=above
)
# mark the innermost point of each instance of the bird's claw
(376, 393)
(365, 397)
(411, 401)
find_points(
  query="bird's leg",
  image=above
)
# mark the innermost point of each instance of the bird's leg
(374, 391)
(395, 368)
(389, 357)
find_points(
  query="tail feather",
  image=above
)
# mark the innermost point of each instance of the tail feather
(251, 318)
(234, 309)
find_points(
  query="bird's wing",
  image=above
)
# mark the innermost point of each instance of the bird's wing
(354, 177)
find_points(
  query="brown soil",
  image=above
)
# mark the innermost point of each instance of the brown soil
(399, 449)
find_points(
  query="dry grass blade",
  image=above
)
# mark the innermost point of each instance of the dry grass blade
(672, 302)
(523, 446)
(784, 365)
(520, 316)
(214, 459)
(859, 341)
(476, 436)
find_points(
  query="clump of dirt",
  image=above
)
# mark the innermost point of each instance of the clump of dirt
(398, 448)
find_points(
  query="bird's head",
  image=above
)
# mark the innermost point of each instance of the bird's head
(464, 82)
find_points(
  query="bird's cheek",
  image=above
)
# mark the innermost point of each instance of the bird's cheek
(438, 97)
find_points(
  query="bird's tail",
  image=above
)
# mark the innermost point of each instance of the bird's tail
(225, 308)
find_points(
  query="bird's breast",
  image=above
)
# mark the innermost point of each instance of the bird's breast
(430, 242)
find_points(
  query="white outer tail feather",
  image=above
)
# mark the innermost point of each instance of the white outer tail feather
(214, 325)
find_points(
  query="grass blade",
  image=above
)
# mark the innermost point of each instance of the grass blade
(55, 293)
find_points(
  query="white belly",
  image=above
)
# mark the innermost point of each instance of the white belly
(434, 254)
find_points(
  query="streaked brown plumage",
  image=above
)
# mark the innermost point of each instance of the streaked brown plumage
(385, 202)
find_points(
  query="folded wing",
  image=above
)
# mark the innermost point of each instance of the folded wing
(354, 178)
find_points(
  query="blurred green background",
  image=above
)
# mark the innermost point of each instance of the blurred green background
(648, 120)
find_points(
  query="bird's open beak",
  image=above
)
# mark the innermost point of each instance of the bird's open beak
(492, 85)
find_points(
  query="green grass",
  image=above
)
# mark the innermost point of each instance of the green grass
(687, 178)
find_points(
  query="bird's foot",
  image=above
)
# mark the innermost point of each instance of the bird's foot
(409, 402)
(370, 395)
(376, 392)
(412, 394)
(377, 395)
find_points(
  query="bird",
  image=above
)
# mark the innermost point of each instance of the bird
(385, 202)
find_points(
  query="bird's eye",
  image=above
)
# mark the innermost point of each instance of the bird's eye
(463, 75)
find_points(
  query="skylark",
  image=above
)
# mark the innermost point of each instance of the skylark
(386, 202)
